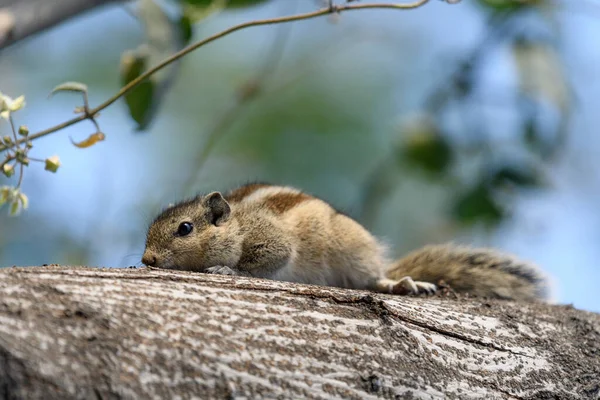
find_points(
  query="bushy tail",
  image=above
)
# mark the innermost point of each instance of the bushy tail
(479, 271)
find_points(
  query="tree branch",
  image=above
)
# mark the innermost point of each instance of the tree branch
(23, 18)
(333, 9)
(72, 332)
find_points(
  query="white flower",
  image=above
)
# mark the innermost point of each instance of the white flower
(8, 105)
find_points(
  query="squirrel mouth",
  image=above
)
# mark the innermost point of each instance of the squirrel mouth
(165, 264)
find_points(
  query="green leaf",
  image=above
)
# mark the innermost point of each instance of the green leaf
(423, 146)
(432, 154)
(199, 3)
(478, 205)
(531, 135)
(14, 208)
(520, 176)
(17, 200)
(70, 87)
(5, 194)
(163, 37)
(509, 5)
(186, 28)
(197, 10)
(139, 99)
(226, 3)
(23, 199)
(541, 74)
(89, 141)
(535, 140)
(244, 3)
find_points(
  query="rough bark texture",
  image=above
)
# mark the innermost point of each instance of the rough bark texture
(70, 332)
(22, 18)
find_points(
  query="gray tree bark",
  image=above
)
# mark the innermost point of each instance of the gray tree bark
(22, 18)
(74, 332)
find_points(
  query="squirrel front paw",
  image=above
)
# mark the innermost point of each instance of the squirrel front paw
(225, 270)
(406, 285)
(221, 270)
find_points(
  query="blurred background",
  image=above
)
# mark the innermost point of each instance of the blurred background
(471, 123)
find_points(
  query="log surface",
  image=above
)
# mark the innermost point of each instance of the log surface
(77, 332)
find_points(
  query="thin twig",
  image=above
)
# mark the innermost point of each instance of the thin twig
(334, 9)
(20, 176)
(12, 128)
(14, 132)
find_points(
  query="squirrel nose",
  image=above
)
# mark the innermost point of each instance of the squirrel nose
(149, 259)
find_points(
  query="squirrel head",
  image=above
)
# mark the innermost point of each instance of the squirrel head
(193, 235)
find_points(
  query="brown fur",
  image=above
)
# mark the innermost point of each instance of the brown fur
(209, 245)
(237, 195)
(281, 233)
(479, 271)
(283, 202)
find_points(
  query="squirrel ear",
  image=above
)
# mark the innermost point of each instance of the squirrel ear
(218, 208)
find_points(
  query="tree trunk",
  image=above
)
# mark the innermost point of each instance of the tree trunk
(71, 332)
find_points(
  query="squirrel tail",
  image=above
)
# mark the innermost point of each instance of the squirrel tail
(478, 271)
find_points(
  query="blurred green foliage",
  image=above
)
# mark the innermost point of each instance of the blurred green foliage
(316, 122)
(477, 204)
(225, 3)
(139, 99)
(510, 5)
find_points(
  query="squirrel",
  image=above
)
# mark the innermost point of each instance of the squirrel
(282, 233)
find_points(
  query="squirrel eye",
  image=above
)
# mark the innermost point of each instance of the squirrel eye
(185, 228)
